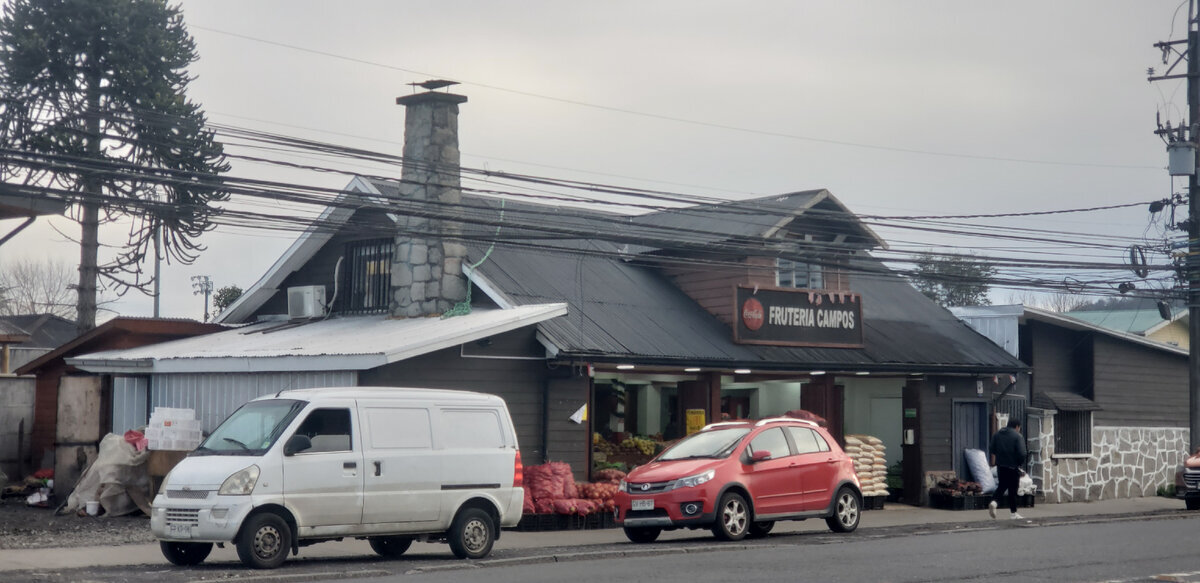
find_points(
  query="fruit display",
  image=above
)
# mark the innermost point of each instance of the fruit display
(637, 444)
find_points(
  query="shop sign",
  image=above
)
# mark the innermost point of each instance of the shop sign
(695, 420)
(798, 317)
(910, 413)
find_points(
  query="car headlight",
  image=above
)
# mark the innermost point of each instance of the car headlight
(622, 486)
(695, 480)
(240, 483)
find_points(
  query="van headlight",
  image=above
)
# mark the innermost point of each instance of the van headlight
(241, 483)
(695, 480)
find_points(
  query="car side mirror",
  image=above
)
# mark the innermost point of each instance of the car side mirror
(296, 444)
(760, 455)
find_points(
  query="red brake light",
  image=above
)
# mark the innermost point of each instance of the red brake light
(518, 471)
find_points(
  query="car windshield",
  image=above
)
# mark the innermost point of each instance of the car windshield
(717, 443)
(252, 429)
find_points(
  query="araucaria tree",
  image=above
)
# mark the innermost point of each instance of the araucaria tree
(94, 109)
(953, 280)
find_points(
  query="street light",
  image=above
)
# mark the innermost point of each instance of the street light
(202, 284)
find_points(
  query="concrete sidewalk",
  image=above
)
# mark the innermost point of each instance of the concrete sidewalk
(893, 515)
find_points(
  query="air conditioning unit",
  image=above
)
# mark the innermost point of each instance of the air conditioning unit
(306, 301)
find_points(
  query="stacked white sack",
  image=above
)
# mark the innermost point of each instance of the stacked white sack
(870, 463)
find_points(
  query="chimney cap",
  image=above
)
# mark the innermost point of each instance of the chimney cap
(432, 84)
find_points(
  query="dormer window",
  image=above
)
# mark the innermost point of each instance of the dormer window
(790, 273)
(367, 274)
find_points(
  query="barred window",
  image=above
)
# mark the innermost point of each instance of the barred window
(790, 273)
(1072, 432)
(367, 276)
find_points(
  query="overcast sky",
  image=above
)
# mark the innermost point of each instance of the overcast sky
(895, 107)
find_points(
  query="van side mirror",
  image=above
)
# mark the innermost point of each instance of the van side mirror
(760, 455)
(296, 444)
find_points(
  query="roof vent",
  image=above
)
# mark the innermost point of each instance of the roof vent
(306, 301)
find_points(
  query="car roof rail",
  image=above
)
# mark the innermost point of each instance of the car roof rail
(723, 424)
(762, 422)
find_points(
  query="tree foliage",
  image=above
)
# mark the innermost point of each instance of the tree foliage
(953, 280)
(94, 107)
(225, 297)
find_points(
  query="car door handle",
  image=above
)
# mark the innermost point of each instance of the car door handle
(378, 468)
(349, 465)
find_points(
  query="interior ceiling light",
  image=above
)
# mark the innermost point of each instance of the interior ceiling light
(692, 369)
(624, 367)
(817, 373)
(741, 371)
(862, 373)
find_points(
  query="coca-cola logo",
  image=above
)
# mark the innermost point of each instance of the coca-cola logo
(753, 314)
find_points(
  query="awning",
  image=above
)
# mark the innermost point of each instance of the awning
(1064, 401)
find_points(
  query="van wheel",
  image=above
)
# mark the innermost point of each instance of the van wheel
(642, 534)
(733, 517)
(265, 541)
(472, 534)
(390, 546)
(845, 512)
(761, 529)
(185, 554)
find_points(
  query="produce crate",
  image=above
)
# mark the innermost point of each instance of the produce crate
(546, 522)
(947, 502)
(873, 502)
(1025, 501)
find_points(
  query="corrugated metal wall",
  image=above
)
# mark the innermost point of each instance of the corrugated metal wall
(215, 396)
(129, 403)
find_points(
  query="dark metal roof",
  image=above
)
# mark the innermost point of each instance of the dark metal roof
(44, 330)
(625, 311)
(1063, 401)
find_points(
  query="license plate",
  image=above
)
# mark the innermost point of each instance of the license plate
(179, 530)
(642, 504)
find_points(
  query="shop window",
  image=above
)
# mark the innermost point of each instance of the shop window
(1073, 433)
(790, 273)
(367, 279)
(771, 440)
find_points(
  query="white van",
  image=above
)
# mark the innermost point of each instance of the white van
(391, 465)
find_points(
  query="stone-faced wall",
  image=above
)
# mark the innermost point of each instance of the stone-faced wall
(426, 268)
(1126, 462)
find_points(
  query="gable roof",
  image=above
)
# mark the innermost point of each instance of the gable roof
(348, 343)
(44, 330)
(1072, 323)
(759, 218)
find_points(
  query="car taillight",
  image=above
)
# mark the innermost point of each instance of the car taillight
(518, 471)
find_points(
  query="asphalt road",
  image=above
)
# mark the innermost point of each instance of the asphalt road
(1077, 550)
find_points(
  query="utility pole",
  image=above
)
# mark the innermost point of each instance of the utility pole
(202, 284)
(1187, 138)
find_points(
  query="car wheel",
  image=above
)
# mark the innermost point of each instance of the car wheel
(642, 534)
(390, 546)
(845, 512)
(472, 534)
(265, 541)
(1192, 503)
(760, 529)
(185, 554)
(733, 517)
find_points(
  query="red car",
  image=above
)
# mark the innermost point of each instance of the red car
(738, 478)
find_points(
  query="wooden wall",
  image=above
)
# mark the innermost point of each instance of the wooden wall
(1137, 386)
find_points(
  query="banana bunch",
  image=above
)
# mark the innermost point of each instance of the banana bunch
(640, 444)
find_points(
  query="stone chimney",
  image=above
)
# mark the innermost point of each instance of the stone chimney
(427, 276)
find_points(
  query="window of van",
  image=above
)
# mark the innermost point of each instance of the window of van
(472, 429)
(399, 428)
(328, 429)
(252, 429)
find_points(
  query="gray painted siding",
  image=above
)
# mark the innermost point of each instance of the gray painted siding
(215, 396)
(567, 441)
(937, 420)
(129, 403)
(519, 382)
(1139, 387)
(1055, 359)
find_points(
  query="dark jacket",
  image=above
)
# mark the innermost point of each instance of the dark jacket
(1009, 448)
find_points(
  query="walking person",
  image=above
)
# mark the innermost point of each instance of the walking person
(1008, 455)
